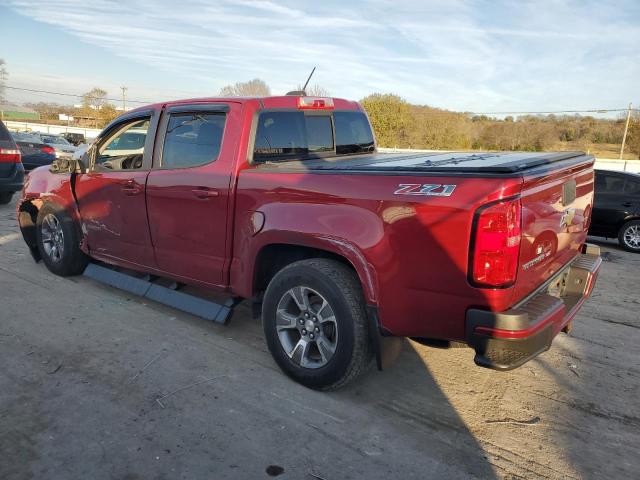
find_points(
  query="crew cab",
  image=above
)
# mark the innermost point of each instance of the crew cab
(287, 202)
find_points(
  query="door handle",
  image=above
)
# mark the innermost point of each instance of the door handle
(626, 204)
(205, 193)
(130, 187)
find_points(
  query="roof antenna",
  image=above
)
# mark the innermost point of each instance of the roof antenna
(301, 93)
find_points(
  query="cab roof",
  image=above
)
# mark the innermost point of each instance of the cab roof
(282, 101)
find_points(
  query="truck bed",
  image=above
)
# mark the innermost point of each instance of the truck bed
(502, 163)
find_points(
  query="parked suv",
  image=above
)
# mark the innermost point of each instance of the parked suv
(616, 208)
(11, 169)
(74, 138)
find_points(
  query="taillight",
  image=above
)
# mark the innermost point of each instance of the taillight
(315, 103)
(9, 155)
(496, 245)
(48, 150)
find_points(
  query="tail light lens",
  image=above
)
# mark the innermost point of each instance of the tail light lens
(496, 245)
(9, 155)
(48, 150)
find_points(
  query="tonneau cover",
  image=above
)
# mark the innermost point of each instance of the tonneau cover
(471, 162)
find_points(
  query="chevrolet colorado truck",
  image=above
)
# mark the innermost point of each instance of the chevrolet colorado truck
(286, 201)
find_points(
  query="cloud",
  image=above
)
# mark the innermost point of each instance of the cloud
(457, 54)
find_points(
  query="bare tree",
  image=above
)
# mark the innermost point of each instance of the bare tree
(315, 90)
(252, 88)
(94, 99)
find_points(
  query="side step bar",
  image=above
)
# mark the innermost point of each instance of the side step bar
(144, 287)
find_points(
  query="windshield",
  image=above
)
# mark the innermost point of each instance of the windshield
(54, 140)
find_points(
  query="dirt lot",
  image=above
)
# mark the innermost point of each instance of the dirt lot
(82, 366)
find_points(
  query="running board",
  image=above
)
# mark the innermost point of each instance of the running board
(145, 287)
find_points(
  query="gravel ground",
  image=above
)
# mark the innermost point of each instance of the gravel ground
(95, 383)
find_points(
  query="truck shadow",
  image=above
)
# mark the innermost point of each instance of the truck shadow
(408, 398)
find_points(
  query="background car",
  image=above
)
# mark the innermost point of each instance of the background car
(34, 151)
(11, 169)
(63, 148)
(74, 138)
(616, 208)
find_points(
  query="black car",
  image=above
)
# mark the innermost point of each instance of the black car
(616, 208)
(11, 169)
(74, 138)
(35, 153)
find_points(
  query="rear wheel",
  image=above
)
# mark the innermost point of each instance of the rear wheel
(629, 236)
(59, 242)
(315, 323)
(5, 197)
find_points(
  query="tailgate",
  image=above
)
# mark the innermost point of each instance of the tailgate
(556, 205)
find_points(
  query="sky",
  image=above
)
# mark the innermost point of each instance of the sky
(463, 55)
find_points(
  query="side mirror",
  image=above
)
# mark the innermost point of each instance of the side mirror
(66, 165)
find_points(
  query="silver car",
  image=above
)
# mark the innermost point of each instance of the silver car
(63, 148)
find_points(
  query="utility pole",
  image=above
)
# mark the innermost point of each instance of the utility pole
(626, 129)
(124, 104)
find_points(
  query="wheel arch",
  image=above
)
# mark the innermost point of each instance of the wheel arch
(27, 213)
(272, 257)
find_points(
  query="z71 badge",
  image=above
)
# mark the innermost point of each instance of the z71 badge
(437, 190)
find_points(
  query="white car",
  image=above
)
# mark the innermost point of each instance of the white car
(63, 148)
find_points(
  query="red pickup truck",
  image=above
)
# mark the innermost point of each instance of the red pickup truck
(286, 201)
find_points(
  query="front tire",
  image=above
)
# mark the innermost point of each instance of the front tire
(5, 197)
(315, 323)
(59, 242)
(629, 236)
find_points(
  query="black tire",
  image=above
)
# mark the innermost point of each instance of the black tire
(5, 197)
(70, 260)
(339, 285)
(628, 236)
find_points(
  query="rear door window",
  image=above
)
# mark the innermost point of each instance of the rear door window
(608, 183)
(632, 187)
(192, 139)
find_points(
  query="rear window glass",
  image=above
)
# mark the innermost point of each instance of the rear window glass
(25, 137)
(288, 135)
(353, 133)
(192, 139)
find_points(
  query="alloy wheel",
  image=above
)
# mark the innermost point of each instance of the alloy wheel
(306, 327)
(632, 236)
(52, 237)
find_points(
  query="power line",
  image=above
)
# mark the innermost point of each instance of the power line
(447, 112)
(71, 94)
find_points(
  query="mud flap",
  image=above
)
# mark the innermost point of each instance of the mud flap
(386, 348)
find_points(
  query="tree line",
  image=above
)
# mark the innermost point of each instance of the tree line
(399, 124)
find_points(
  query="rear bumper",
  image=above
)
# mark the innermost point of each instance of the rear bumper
(506, 340)
(14, 182)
